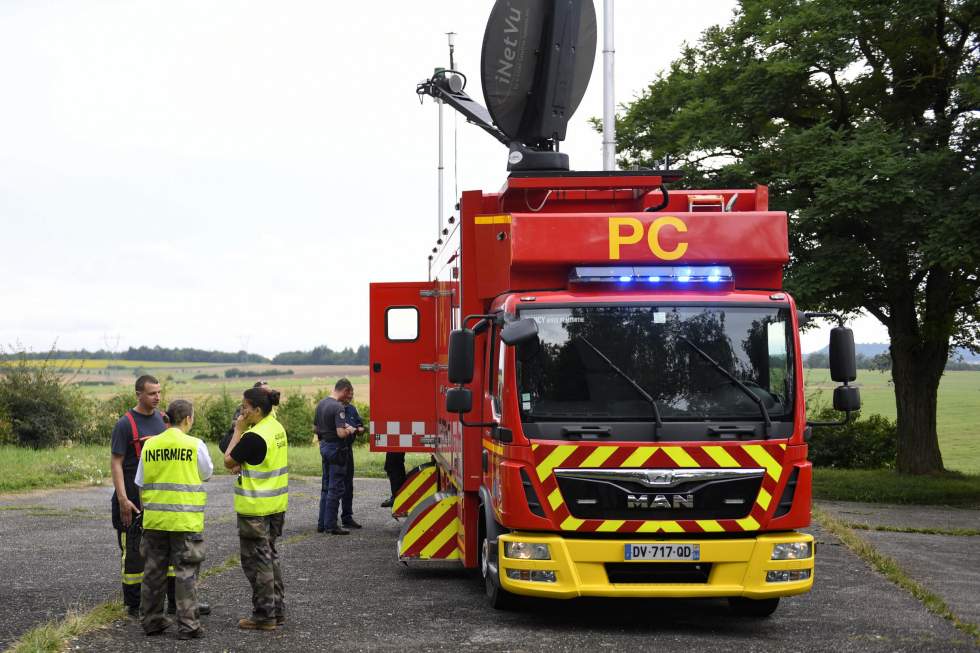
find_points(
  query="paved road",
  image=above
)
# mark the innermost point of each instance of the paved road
(948, 565)
(350, 593)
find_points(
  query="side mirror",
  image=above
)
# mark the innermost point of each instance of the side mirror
(459, 400)
(847, 399)
(520, 332)
(461, 347)
(843, 363)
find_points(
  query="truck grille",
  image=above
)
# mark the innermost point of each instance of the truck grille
(601, 494)
(658, 572)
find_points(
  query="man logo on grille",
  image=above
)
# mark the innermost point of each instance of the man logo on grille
(643, 501)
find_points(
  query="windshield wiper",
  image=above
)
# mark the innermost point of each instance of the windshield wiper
(658, 423)
(731, 377)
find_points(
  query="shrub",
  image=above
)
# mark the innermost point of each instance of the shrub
(236, 373)
(296, 416)
(99, 417)
(37, 405)
(212, 416)
(365, 412)
(204, 377)
(861, 444)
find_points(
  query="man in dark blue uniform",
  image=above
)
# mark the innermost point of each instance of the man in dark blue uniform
(347, 503)
(333, 431)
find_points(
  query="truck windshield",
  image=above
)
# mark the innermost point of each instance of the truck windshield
(567, 374)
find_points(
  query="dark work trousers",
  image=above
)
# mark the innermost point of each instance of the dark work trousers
(347, 503)
(131, 563)
(395, 469)
(335, 458)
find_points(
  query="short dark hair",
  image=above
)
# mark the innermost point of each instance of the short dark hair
(262, 398)
(143, 380)
(343, 384)
(179, 410)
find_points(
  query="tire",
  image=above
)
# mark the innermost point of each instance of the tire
(497, 597)
(756, 608)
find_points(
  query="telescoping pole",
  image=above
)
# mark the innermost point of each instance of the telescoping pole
(441, 193)
(608, 88)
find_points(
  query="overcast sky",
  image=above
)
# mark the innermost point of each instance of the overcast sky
(230, 175)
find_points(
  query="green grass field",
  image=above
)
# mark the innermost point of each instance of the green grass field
(26, 469)
(958, 419)
(178, 378)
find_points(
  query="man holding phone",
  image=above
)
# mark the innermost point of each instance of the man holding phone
(333, 430)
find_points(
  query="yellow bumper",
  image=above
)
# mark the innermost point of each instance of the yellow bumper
(738, 568)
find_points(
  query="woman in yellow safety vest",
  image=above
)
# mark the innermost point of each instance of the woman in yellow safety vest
(171, 472)
(257, 453)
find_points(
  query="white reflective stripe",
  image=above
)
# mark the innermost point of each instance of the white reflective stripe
(403, 440)
(418, 428)
(173, 487)
(250, 473)
(172, 507)
(394, 428)
(260, 494)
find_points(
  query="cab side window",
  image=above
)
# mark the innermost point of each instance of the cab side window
(493, 344)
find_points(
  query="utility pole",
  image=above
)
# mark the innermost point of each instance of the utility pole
(608, 88)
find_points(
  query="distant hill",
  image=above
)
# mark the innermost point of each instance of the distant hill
(324, 356)
(148, 354)
(318, 356)
(870, 349)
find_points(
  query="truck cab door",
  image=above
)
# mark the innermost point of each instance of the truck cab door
(404, 367)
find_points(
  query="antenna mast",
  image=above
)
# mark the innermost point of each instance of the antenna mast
(608, 88)
(451, 36)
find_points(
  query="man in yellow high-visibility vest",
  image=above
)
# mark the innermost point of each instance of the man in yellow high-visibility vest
(171, 472)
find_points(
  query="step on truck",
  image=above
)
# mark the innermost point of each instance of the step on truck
(606, 373)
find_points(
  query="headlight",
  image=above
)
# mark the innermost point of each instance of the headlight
(787, 576)
(792, 551)
(526, 551)
(533, 575)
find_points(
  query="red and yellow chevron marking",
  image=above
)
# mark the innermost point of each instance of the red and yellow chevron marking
(765, 456)
(418, 487)
(433, 531)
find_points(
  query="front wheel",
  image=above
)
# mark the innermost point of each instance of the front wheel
(497, 597)
(758, 608)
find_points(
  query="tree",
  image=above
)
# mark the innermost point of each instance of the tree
(862, 115)
(880, 362)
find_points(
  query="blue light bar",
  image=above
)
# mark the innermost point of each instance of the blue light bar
(653, 274)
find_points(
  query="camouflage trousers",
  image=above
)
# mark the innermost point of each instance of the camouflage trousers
(260, 562)
(185, 551)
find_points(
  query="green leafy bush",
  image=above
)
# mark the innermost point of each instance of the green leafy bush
(861, 444)
(37, 405)
(296, 416)
(212, 416)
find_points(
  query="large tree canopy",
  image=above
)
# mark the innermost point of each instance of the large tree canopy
(862, 116)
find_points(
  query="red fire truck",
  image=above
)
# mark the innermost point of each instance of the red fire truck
(608, 378)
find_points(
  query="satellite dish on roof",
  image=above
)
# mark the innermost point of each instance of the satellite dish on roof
(535, 67)
(536, 63)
